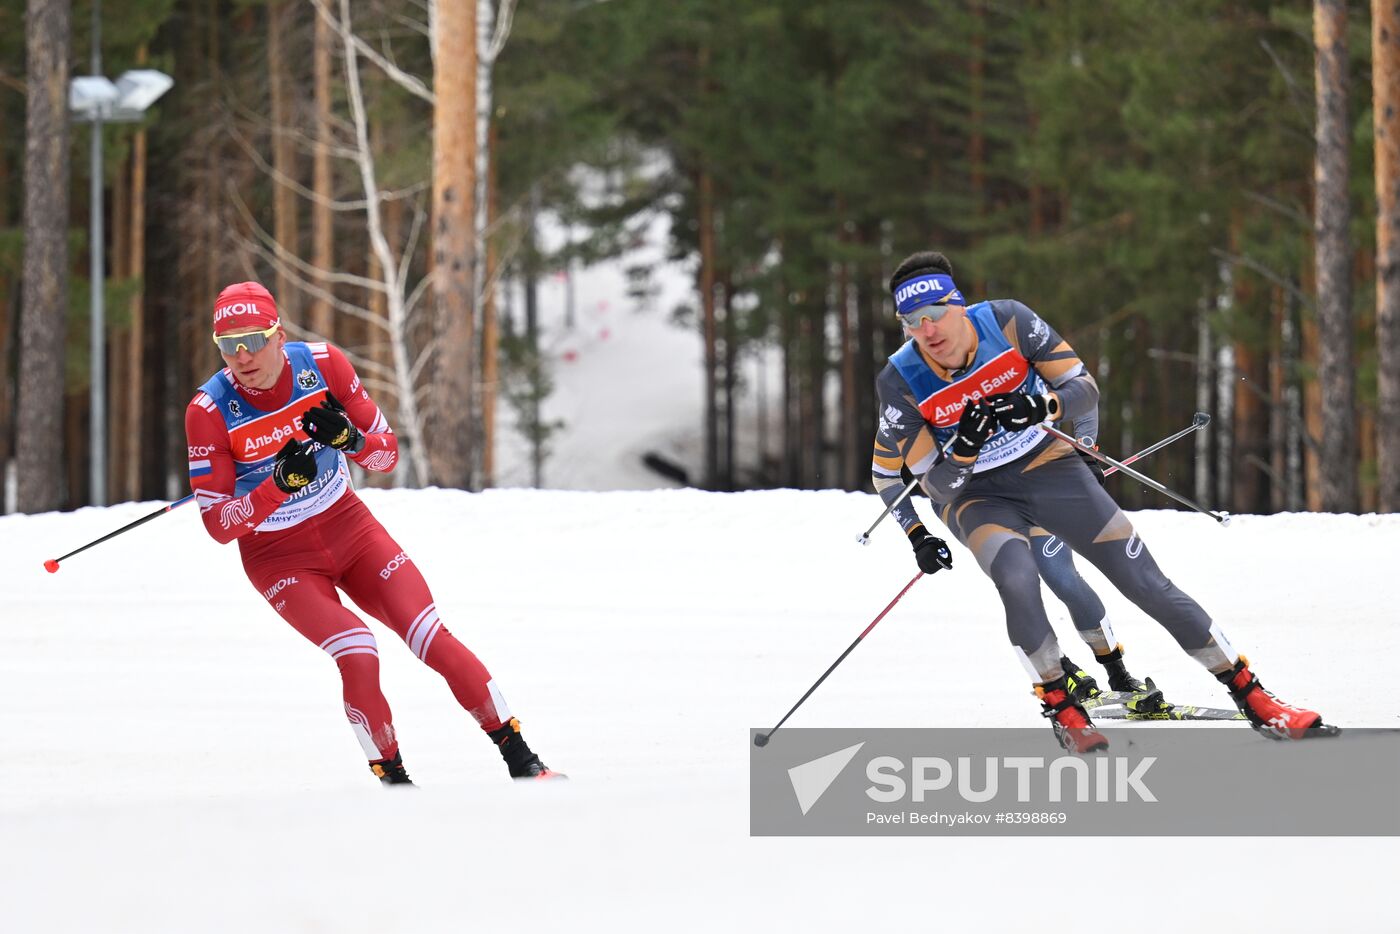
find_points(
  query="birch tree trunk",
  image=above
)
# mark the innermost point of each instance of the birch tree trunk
(867, 298)
(454, 242)
(284, 198)
(490, 327)
(377, 333)
(322, 250)
(40, 424)
(850, 444)
(8, 317)
(1278, 407)
(1205, 392)
(1331, 215)
(1385, 80)
(731, 363)
(791, 451)
(412, 455)
(493, 29)
(1248, 491)
(706, 274)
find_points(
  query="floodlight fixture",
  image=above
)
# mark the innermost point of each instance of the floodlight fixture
(140, 88)
(89, 95)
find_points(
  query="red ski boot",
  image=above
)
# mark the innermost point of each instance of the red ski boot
(1266, 713)
(1073, 728)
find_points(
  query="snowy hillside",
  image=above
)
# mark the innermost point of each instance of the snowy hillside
(177, 759)
(627, 380)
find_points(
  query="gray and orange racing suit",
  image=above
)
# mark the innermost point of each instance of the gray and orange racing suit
(1022, 483)
(1055, 562)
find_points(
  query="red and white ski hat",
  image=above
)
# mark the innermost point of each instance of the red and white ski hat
(244, 305)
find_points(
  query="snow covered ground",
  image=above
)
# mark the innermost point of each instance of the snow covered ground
(176, 758)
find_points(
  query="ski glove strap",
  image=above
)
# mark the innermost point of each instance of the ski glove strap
(974, 428)
(930, 551)
(294, 468)
(1016, 410)
(329, 425)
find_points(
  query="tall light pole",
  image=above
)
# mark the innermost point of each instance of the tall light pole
(97, 408)
(96, 100)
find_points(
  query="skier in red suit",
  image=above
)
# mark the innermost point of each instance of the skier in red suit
(268, 439)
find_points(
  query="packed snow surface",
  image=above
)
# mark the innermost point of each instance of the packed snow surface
(176, 758)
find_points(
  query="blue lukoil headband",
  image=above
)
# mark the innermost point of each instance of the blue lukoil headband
(931, 289)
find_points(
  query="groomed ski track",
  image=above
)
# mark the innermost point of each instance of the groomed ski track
(176, 758)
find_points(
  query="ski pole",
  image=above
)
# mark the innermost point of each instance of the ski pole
(51, 565)
(1222, 517)
(762, 738)
(864, 538)
(1201, 420)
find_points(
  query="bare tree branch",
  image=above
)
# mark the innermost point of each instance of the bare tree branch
(1179, 356)
(290, 258)
(286, 182)
(411, 247)
(1290, 211)
(424, 358)
(505, 18)
(310, 288)
(361, 363)
(400, 77)
(509, 250)
(416, 26)
(410, 305)
(1267, 273)
(1301, 99)
(342, 152)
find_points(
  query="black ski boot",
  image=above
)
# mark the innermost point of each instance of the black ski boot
(523, 764)
(391, 771)
(1080, 685)
(1144, 697)
(1118, 677)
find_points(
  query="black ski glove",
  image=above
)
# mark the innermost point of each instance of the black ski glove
(975, 426)
(930, 551)
(1016, 410)
(294, 468)
(1092, 463)
(328, 424)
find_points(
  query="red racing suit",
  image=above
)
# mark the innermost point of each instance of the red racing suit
(298, 548)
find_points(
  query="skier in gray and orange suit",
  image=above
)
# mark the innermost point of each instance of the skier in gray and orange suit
(981, 379)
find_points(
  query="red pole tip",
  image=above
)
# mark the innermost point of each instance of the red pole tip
(51, 566)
